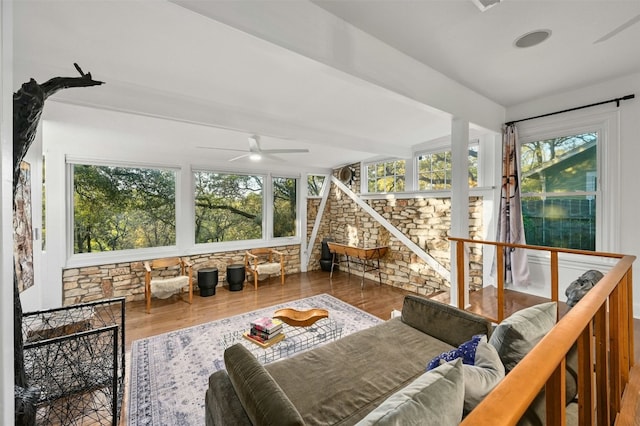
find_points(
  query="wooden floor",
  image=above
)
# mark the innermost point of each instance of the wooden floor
(378, 300)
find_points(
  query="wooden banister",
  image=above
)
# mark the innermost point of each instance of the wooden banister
(601, 324)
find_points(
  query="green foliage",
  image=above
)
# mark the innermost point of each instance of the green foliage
(314, 185)
(119, 208)
(284, 207)
(228, 207)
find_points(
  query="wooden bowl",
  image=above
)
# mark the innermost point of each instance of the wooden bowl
(298, 318)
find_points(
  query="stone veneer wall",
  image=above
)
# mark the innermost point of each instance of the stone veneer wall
(425, 221)
(313, 207)
(91, 283)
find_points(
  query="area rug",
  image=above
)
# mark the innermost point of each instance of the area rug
(170, 372)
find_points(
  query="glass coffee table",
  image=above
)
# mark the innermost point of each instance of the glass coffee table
(297, 339)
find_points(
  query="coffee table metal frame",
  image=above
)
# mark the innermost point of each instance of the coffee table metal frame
(297, 339)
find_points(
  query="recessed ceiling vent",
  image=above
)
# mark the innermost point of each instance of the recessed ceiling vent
(532, 38)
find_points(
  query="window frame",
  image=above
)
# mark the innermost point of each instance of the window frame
(83, 259)
(364, 167)
(443, 149)
(604, 124)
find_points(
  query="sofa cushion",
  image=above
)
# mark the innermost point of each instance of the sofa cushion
(514, 337)
(434, 398)
(260, 395)
(359, 372)
(481, 377)
(444, 322)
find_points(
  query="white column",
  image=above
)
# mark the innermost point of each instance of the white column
(459, 196)
(6, 214)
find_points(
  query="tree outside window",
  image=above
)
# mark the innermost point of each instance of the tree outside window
(434, 170)
(387, 176)
(228, 207)
(121, 208)
(284, 206)
(559, 192)
(314, 185)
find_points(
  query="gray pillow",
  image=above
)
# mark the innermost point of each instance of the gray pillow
(514, 337)
(481, 377)
(435, 398)
(262, 398)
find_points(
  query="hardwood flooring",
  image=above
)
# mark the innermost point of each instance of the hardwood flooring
(171, 314)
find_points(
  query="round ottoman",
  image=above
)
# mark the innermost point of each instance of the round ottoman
(235, 277)
(207, 281)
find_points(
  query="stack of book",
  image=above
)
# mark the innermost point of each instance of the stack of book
(265, 331)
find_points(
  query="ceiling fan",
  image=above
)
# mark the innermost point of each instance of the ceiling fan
(256, 153)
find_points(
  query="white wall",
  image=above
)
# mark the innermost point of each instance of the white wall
(626, 238)
(6, 216)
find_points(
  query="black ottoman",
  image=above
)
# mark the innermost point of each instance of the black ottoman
(235, 277)
(207, 281)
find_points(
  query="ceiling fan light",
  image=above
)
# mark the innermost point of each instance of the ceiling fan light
(255, 156)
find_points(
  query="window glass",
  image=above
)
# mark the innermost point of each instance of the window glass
(120, 208)
(387, 176)
(314, 185)
(284, 206)
(434, 170)
(559, 190)
(228, 207)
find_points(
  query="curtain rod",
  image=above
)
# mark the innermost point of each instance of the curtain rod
(616, 100)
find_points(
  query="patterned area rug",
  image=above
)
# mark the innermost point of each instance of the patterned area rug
(170, 372)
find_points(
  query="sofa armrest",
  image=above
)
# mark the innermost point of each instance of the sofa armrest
(444, 322)
(222, 405)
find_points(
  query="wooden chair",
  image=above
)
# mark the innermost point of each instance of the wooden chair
(163, 278)
(264, 261)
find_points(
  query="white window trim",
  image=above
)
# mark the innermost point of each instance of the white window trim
(185, 244)
(327, 179)
(605, 123)
(364, 176)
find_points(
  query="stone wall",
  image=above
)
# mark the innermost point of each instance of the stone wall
(425, 221)
(313, 207)
(91, 283)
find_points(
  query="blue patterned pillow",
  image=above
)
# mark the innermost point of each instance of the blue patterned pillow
(466, 351)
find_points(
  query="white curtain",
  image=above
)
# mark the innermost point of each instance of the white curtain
(510, 224)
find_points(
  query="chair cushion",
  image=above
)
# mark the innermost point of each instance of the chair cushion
(163, 288)
(268, 268)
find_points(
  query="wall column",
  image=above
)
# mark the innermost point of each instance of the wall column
(459, 197)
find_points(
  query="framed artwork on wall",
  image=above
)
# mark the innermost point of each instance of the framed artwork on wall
(23, 231)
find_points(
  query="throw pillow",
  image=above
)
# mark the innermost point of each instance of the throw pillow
(466, 351)
(435, 398)
(481, 377)
(260, 395)
(514, 337)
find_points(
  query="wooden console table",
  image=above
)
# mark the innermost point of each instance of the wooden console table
(369, 258)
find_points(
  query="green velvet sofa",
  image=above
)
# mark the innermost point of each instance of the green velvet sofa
(341, 382)
(379, 376)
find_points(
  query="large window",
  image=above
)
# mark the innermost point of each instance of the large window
(284, 206)
(387, 176)
(228, 207)
(434, 170)
(120, 208)
(559, 191)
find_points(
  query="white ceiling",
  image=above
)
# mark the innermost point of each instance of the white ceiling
(161, 59)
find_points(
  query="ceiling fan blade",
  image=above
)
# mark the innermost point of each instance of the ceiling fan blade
(239, 157)
(618, 30)
(284, 151)
(254, 143)
(221, 149)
